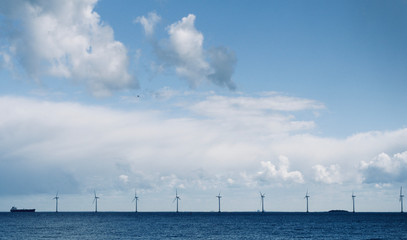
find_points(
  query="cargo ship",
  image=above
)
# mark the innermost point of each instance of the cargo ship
(14, 209)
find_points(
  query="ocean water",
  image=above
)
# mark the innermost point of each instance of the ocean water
(118, 225)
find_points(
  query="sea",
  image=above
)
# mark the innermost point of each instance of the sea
(198, 225)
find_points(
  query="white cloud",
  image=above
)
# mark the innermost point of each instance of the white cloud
(187, 44)
(87, 147)
(271, 173)
(184, 50)
(327, 175)
(148, 22)
(215, 105)
(68, 39)
(270, 113)
(191, 59)
(384, 168)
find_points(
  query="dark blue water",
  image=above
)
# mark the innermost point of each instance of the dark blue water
(203, 226)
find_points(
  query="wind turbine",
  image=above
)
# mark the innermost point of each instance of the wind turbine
(176, 198)
(262, 195)
(56, 202)
(401, 198)
(219, 197)
(95, 201)
(306, 197)
(353, 201)
(135, 199)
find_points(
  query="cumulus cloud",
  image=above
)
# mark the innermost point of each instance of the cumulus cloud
(67, 39)
(385, 169)
(187, 45)
(184, 50)
(271, 173)
(148, 22)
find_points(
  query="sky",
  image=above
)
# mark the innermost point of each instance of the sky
(206, 97)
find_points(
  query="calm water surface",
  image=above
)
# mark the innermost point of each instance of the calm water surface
(104, 225)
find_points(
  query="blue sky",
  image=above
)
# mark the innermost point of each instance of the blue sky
(203, 96)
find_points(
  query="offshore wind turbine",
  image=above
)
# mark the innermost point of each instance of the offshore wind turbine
(219, 197)
(135, 199)
(262, 195)
(353, 201)
(56, 202)
(306, 197)
(401, 199)
(95, 201)
(176, 198)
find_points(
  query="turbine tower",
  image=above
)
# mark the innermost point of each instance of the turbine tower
(219, 197)
(95, 201)
(353, 201)
(56, 202)
(306, 197)
(401, 199)
(262, 195)
(135, 199)
(176, 198)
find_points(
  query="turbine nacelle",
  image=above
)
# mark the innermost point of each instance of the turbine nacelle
(135, 197)
(56, 196)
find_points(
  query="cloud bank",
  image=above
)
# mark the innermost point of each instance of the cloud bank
(87, 147)
(66, 39)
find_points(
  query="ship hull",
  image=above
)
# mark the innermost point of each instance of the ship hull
(22, 210)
